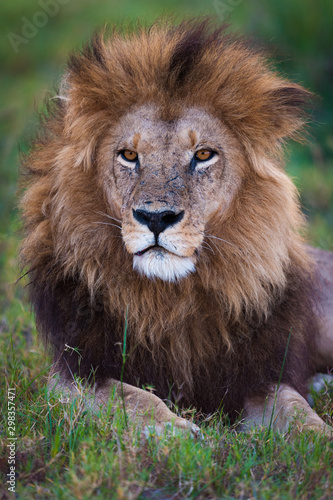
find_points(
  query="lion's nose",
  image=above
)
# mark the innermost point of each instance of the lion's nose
(157, 222)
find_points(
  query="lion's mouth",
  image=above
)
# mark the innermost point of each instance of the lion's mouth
(152, 247)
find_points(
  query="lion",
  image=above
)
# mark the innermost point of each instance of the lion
(163, 237)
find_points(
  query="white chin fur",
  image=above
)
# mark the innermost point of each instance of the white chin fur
(163, 265)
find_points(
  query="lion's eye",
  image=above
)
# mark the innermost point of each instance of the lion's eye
(129, 155)
(204, 154)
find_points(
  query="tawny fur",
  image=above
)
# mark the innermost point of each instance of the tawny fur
(220, 334)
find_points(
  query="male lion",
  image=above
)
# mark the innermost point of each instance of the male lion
(156, 203)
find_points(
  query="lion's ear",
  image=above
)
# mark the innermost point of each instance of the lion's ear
(287, 105)
(282, 115)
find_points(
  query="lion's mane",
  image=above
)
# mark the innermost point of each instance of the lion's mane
(222, 333)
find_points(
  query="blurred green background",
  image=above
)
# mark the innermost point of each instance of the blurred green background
(36, 37)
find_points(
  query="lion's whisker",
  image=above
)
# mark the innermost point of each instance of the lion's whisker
(108, 216)
(217, 238)
(219, 250)
(108, 224)
(207, 245)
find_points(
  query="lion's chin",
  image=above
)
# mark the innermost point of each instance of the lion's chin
(163, 265)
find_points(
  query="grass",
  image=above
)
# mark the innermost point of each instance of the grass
(62, 451)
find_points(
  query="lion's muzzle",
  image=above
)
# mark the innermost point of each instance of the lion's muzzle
(156, 243)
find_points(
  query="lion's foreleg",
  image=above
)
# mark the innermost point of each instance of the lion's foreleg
(281, 408)
(140, 406)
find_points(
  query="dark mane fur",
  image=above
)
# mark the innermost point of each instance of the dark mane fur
(71, 318)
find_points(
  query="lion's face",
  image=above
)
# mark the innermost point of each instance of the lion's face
(166, 180)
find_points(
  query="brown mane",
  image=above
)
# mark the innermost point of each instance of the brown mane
(245, 300)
